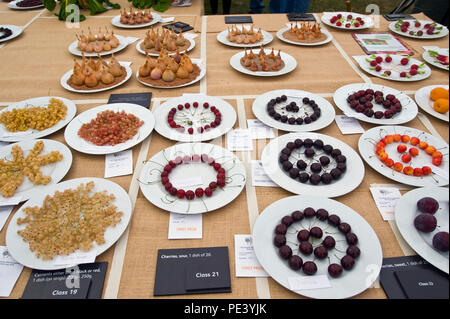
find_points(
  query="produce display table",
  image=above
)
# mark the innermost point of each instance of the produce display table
(33, 64)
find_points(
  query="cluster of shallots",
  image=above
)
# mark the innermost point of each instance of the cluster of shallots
(91, 73)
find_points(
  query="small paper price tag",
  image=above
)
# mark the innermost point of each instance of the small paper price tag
(259, 176)
(309, 282)
(183, 226)
(258, 130)
(247, 265)
(119, 164)
(10, 271)
(239, 140)
(76, 258)
(10, 134)
(386, 198)
(348, 125)
(168, 19)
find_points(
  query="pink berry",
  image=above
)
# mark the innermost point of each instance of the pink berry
(208, 192)
(213, 185)
(357, 25)
(388, 59)
(199, 192)
(403, 74)
(338, 23)
(379, 59)
(190, 195)
(413, 72)
(195, 104)
(204, 158)
(347, 25)
(387, 72)
(180, 107)
(196, 158)
(339, 16)
(206, 105)
(200, 130)
(378, 68)
(404, 61)
(349, 17)
(415, 67)
(373, 63)
(181, 193)
(187, 105)
(221, 182)
(186, 159)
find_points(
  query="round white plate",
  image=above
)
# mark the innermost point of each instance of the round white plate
(350, 283)
(422, 97)
(123, 43)
(56, 170)
(396, 69)
(191, 46)
(405, 213)
(433, 61)
(324, 31)
(350, 180)
(408, 113)
(83, 146)
(368, 21)
(19, 249)
(116, 22)
(16, 31)
(154, 191)
(194, 114)
(13, 5)
(366, 146)
(326, 118)
(68, 74)
(290, 63)
(33, 134)
(267, 38)
(441, 34)
(198, 62)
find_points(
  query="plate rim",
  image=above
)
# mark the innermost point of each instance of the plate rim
(190, 48)
(431, 112)
(327, 40)
(267, 34)
(16, 31)
(391, 27)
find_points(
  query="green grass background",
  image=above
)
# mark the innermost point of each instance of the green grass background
(359, 6)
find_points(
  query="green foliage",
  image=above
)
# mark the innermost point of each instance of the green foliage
(158, 5)
(94, 6)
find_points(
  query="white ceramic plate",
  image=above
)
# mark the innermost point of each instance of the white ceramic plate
(350, 283)
(395, 67)
(405, 213)
(368, 21)
(154, 191)
(56, 170)
(13, 5)
(16, 31)
(366, 148)
(198, 62)
(433, 61)
(68, 74)
(191, 46)
(422, 97)
(326, 118)
(324, 31)
(412, 27)
(123, 43)
(290, 63)
(19, 249)
(408, 113)
(195, 115)
(350, 180)
(267, 38)
(116, 22)
(33, 134)
(83, 146)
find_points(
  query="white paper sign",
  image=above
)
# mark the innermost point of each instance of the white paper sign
(304, 135)
(131, 39)
(259, 176)
(119, 164)
(247, 265)
(189, 182)
(239, 140)
(309, 282)
(10, 201)
(168, 19)
(5, 211)
(183, 226)
(191, 36)
(439, 171)
(386, 198)
(10, 271)
(76, 258)
(348, 125)
(259, 130)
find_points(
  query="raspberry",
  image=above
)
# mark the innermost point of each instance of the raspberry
(404, 61)
(378, 68)
(379, 59)
(403, 74)
(388, 59)
(373, 63)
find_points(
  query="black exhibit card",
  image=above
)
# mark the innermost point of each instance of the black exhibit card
(238, 19)
(192, 271)
(301, 17)
(79, 282)
(423, 284)
(142, 99)
(178, 27)
(398, 16)
(392, 267)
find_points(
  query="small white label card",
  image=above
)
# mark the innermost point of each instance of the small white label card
(259, 130)
(20, 133)
(309, 282)
(76, 258)
(239, 140)
(183, 226)
(132, 39)
(259, 176)
(10, 201)
(5, 211)
(119, 164)
(439, 171)
(188, 182)
(348, 125)
(191, 36)
(386, 198)
(247, 265)
(304, 135)
(168, 19)
(10, 271)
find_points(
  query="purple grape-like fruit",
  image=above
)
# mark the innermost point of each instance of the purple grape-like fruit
(347, 262)
(428, 205)
(344, 227)
(353, 251)
(316, 232)
(334, 220)
(309, 212)
(297, 215)
(320, 252)
(285, 252)
(295, 262)
(440, 241)
(425, 222)
(306, 248)
(281, 229)
(351, 238)
(287, 220)
(303, 235)
(309, 268)
(279, 240)
(322, 214)
(329, 242)
(335, 270)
